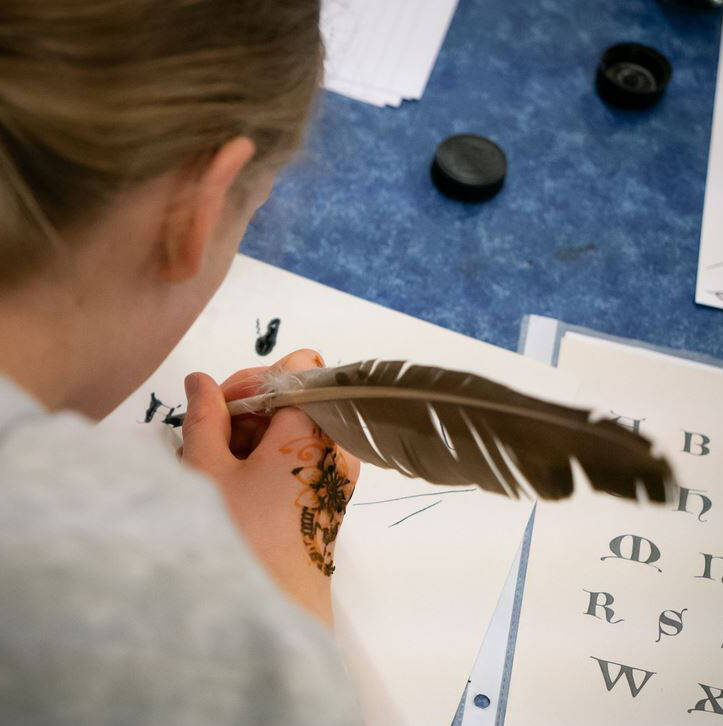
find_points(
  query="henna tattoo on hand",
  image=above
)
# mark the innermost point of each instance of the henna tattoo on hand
(326, 492)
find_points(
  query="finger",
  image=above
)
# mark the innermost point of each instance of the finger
(247, 430)
(300, 360)
(290, 424)
(250, 381)
(207, 424)
(245, 383)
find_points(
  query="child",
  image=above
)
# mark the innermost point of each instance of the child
(137, 139)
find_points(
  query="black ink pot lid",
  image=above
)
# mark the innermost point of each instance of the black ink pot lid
(469, 168)
(632, 75)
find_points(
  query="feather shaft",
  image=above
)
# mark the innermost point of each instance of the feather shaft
(339, 393)
(456, 428)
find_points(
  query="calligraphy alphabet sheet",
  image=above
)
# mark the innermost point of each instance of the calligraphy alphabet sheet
(622, 617)
(419, 567)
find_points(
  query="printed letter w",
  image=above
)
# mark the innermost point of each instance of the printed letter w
(624, 669)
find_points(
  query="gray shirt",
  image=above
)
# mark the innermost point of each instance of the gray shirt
(127, 597)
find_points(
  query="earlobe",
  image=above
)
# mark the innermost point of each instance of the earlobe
(196, 210)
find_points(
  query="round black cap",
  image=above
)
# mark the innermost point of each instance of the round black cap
(469, 168)
(632, 76)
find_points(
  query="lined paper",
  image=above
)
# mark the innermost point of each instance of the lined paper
(382, 52)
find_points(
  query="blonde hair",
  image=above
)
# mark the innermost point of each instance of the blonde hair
(98, 95)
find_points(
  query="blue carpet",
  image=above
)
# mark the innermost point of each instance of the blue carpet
(599, 221)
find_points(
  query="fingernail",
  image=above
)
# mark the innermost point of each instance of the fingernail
(191, 384)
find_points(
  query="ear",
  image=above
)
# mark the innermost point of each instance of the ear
(196, 209)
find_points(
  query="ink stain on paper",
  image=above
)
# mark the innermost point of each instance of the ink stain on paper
(266, 343)
(152, 408)
(171, 418)
(416, 496)
(419, 511)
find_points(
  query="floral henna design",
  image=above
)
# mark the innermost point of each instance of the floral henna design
(327, 490)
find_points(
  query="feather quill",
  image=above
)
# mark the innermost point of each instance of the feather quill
(456, 428)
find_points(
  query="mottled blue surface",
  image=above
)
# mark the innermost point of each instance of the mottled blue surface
(599, 221)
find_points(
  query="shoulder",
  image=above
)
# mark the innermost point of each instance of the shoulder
(99, 495)
(119, 565)
(76, 495)
(63, 470)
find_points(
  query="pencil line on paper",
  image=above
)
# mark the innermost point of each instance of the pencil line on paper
(415, 496)
(712, 267)
(419, 511)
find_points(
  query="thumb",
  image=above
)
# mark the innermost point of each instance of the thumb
(207, 424)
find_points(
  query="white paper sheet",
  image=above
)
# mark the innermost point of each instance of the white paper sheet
(649, 658)
(412, 599)
(383, 51)
(709, 290)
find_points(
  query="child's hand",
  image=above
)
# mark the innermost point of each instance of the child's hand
(286, 484)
